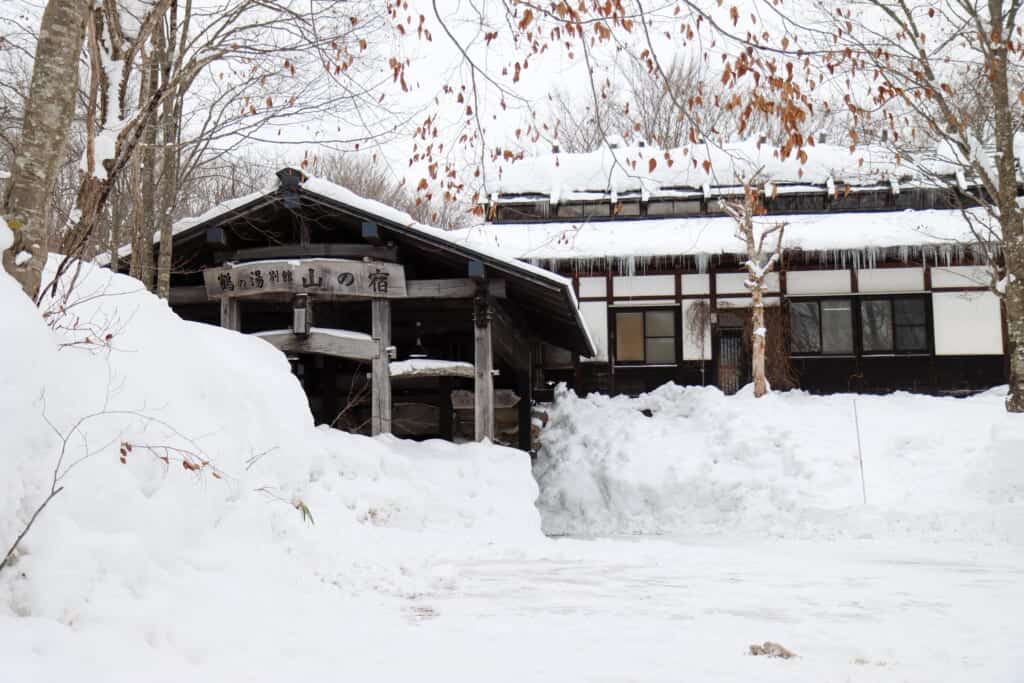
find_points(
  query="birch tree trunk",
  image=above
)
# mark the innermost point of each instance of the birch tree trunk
(758, 339)
(48, 114)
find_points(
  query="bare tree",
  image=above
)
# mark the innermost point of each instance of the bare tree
(763, 245)
(945, 85)
(47, 118)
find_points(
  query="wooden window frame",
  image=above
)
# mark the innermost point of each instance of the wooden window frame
(613, 331)
(857, 325)
(929, 334)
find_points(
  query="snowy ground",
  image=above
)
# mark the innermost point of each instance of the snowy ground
(426, 561)
(630, 610)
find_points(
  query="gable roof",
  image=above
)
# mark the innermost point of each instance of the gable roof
(546, 299)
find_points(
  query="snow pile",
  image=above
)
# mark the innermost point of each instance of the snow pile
(785, 464)
(228, 534)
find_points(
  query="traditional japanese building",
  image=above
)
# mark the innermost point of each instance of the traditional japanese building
(391, 326)
(882, 284)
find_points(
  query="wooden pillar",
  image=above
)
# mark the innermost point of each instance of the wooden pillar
(483, 385)
(380, 411)
(525, 406)
(447, 424)
(230, 314)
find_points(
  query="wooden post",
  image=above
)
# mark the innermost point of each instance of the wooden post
(483, 385)
(230, 314)
(526, 409)
(446, 425)
(380, 375)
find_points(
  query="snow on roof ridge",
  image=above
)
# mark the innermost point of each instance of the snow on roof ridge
(629, 168)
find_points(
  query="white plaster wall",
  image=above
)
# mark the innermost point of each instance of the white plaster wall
(961, 276)
(967, 323)
(890, 280)
(732, 283)
(643, 285)
(593, 286)
(817, 282)
(595, 314)
(696, 283)
(692, 349)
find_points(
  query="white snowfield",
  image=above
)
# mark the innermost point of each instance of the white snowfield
(426, 561)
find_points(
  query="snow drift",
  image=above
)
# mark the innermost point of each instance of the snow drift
(123, 543)
(786, 464)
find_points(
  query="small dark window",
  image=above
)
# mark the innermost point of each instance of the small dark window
(824, 326)
(647, 337)
(677, 207)
(523, 212)
(569, 211)
(894, 325)
(584, 210)
(626, 209)
(805, 327)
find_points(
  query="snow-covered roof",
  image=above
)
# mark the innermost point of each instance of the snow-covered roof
(706, 236)
(401, 227)
(652, 172)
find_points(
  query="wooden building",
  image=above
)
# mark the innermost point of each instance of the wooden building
(390, 326)
(880, 288)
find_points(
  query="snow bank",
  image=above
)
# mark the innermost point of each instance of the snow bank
(785, 464)
(123, 543)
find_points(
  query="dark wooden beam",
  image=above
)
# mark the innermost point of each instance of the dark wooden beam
(511, 338)
(356, 251)
(454, 288)
(180, 296)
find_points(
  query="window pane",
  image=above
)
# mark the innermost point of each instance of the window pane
(661, 350)
(689, 207)
(629, 336)
(628, 209)
(836, 326)
(911, 338)
(804, 327)
(659, 208)
(909, 311)
(661, 324)
(570, 211)
(876, 325)
(597, 210)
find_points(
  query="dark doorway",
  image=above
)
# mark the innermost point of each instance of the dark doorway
(732, 361)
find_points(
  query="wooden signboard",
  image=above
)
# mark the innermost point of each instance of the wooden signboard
(329, 277)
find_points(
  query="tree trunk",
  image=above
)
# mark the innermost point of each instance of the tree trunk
(1014, 302)
(48, 114)
(757, 345)
(1010, 220)
(168, 195)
